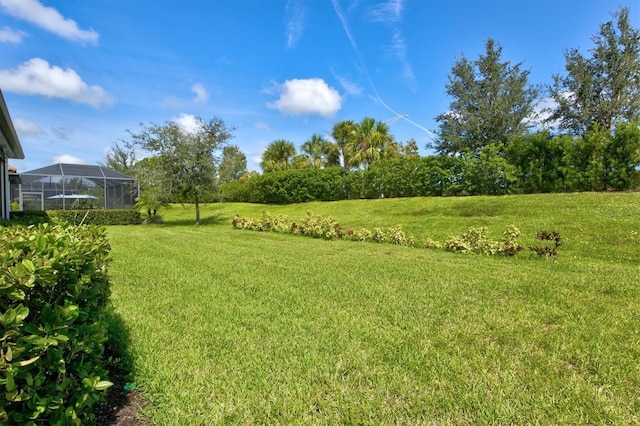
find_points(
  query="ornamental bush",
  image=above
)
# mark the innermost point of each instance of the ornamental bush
(475, 240)
(53, 298)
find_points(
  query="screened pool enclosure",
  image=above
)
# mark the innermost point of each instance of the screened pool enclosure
(75, 186)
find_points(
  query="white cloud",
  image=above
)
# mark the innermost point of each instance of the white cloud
(542, 111)
(188, 122)
(26, 128)
(388, 12)
(399, 50)
(11, 36)
(306, 97)
(262, 125)
(48, 18)
(295, 22)
(37, 77)
(202, 96)
(349, 87)
(66, 159)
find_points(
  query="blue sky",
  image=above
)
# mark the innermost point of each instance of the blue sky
(77, 74)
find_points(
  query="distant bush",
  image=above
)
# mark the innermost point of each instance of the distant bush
(53, 297)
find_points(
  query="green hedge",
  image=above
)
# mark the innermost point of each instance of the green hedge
(76, 217)
(97, 217)
(53, 299)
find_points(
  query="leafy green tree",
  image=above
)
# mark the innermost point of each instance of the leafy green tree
(410, 149)
(603, 89)
(491, 102)
(370, 142)
(233, 164)
(343, 133)
(601, 161)
(278, 156)
(121, 158)
(623, 157)
(486, 171)
(540, 160)
(186, 162)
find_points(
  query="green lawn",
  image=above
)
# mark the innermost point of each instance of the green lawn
(232, 326)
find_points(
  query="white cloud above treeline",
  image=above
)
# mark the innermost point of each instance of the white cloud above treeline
(187, 122)
(37, 77)
(307, 97)
(49, 19)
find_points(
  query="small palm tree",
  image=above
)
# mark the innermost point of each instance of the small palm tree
(321, 152)
(278, 156)
(371, 142)
(343, 133)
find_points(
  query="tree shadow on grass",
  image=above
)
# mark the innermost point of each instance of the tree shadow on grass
(214, 219)
(122, 401)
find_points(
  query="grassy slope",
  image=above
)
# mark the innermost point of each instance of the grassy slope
(239, 326)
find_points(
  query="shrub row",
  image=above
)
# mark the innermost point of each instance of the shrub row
(77, 217)
(539, 162)
(475, 240)
(53, 299)
(97, 217)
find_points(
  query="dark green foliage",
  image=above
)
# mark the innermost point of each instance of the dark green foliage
(490, 101)
(486, 171)
(53, 297)
(600, 160)
(541, 162)
(553, 239)
(97, 217)
(27, 217)
(534, 163)
(76, 217)
(292, 186)
(603, 89)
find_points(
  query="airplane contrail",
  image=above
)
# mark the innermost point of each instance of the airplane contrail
(377, 97)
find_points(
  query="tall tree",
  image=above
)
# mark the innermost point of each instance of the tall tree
(121, 158)
(602, 89)
(233, 164)
(343, 133)
(370, 142)
(278, 156)
(186, 161)
(491, 101)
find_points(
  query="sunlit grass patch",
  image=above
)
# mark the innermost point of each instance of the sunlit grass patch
(248, 327)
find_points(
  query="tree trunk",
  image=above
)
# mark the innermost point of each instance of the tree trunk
(197, 211)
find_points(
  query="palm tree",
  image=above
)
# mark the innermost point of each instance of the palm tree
(278, 156)
(301, 161)
(321, 152)
(343, 132)
(314, 148)
(371, 142)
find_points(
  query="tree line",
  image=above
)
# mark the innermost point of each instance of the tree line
(492, 139)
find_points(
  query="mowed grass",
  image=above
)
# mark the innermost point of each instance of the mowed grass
(239, 327)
